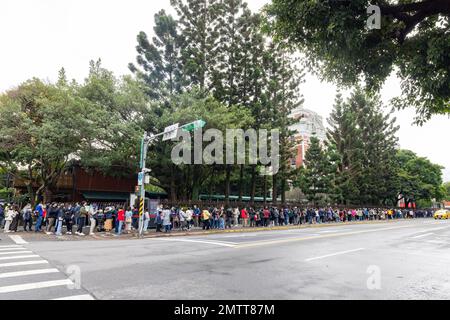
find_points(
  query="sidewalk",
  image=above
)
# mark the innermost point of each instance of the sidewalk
(41, 236)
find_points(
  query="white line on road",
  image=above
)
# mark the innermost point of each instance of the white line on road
(27, 273)
(422, 235)
(22, 263)
(20, 257)
(14, 252)
(35, 285)
(218, 243)
(79, 297)
(12, 248)
(18, 239)
(334, 254)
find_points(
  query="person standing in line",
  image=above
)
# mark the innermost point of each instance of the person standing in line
(68, 217)
(9, 216)
(182, 218)
(205, 218)
(166, 219)
(2, 215)
(15, 220)
(92, 218)
(128, 219)
(196, 216)
(82, 219)
(27, 218)
(120, 220)
(59, 219)
(158, 220)
(189, 214)
(51, 217)
(236, 216)
(39, 213)
(229, 217)
(244, 217)
(146, 221)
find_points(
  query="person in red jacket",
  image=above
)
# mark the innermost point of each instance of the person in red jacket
(120, 219)
(266, 216)
(244, 217)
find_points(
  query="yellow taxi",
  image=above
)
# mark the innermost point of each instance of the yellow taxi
(442, 214)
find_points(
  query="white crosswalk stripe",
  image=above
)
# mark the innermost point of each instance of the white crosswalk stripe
(25, 275)
(13, 252)
(20, 257)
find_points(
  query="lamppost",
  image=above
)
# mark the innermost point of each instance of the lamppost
(169, 133)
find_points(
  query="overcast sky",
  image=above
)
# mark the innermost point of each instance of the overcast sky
(38, 37)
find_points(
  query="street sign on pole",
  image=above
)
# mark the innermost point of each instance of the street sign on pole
(194, 125)
(170, 132)
(140, 178)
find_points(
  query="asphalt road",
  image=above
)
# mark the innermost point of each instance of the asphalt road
(407, 259)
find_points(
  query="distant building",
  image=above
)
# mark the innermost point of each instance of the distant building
(308, 123)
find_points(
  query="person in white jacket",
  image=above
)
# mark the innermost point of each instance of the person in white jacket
(10, 214)
(166, 219)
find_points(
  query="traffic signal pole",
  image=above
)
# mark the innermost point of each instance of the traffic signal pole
(145, 142)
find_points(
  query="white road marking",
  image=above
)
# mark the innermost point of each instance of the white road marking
(20, 257)
(422, 235)
(13, 248)
(22, 263)
(35, 285)
(334, 254)
(18, 239)
(79, 297)
(27, 273)
(241, 235)
(14, 252)
(10, 246)
(218, 243)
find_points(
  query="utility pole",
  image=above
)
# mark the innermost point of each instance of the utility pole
(169, 133)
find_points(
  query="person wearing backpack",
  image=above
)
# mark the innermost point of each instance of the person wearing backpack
(27, 218)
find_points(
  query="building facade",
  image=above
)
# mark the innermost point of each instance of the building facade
(308, 124)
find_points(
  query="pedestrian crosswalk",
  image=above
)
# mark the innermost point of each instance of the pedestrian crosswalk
(24, 275)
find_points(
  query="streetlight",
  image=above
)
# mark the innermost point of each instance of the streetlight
(169, 133)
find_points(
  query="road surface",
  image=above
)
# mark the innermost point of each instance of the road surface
(405, 259)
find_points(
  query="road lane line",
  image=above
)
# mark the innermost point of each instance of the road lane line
(27, 273)
(14, 252)
(35, 285)
(79, 297)
(422, 235)
(17, 239)
(20, 257)
(22, 263)
(218, 243)
(333, 254)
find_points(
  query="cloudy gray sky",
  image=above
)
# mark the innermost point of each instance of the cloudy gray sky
(38, 37)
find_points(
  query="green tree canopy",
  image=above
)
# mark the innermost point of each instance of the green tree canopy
(413, 41)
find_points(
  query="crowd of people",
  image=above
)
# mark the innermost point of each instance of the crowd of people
(52, 218)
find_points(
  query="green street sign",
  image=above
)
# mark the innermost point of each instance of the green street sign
(194, 125)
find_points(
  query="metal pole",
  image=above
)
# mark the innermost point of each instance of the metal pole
(144, 147)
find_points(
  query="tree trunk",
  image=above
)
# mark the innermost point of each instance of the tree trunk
(173, 189)
(253, 185)
(241, 182)
(265, 189)
(274, 188)
(227, 184)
